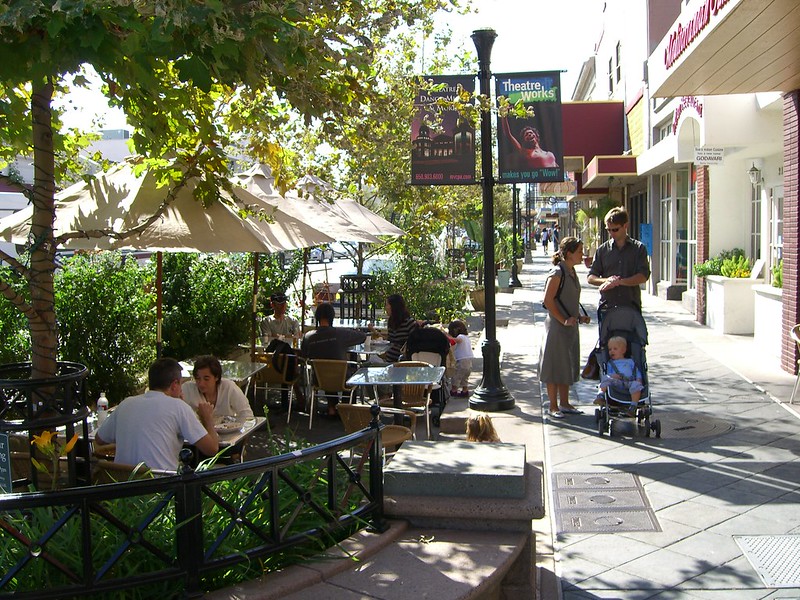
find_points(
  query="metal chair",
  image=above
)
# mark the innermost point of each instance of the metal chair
(328, 379)
(795, 333)
(415, 397)
(272, 375)
(356, 417)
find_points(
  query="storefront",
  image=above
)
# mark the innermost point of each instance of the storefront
(726, 79)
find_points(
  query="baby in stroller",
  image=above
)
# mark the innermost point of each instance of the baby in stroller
(622, 374)
(624, 389)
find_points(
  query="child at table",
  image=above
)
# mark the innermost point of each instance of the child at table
(462, 350)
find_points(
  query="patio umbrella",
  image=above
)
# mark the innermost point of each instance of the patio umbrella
(259, 181)
(367, 220)
(119, 200)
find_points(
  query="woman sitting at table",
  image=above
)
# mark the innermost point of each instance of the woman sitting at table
(399, 326)
(224, 395)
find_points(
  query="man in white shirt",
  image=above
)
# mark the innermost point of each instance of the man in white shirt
(152, 427)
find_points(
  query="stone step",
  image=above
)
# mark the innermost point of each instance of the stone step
(457, 469)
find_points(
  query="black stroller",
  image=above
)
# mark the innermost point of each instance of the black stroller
(627, 322)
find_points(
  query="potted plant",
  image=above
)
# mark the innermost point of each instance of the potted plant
(729, 292)
(477, 295)
(590, 221)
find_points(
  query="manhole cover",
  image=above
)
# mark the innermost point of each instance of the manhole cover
(679, 424)
(776, 558)
(606, 522)
(601, 503)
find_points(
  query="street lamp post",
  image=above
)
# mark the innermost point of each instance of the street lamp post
(515, 282)
(490, 395)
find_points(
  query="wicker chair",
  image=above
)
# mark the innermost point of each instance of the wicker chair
(328, 379)
(356, 417)
(414, 397)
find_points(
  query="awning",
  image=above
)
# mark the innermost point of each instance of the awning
(729, 47)
(605, 171)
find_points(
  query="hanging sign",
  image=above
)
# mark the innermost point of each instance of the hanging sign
(442, 141)
(704, 155)
(531, 149)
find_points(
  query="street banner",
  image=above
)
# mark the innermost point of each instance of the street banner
(531, 149)
(442, 141)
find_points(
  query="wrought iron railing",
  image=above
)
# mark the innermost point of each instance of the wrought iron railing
(191, 532)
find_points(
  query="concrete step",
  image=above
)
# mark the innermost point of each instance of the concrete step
(459, 469)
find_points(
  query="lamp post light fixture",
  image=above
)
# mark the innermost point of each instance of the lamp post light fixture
(754, 174)
(490, 395)
(515, 220)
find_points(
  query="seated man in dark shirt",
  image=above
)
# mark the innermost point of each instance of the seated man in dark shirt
(329, 342)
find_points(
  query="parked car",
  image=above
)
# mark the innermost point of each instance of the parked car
(320, 255)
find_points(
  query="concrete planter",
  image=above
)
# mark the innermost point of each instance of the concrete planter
(477, 298)
(730, 304)
(503, 278)
(767, 319)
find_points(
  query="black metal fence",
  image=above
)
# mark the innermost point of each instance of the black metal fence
(192, 532)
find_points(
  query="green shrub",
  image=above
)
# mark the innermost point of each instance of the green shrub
(777, 274)
(737, 267)
(424, 284)
(105, 306)
(16, 346)
(713, 266)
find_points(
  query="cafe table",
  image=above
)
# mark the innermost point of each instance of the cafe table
(397, 377)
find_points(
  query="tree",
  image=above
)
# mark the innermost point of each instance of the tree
(193, 78)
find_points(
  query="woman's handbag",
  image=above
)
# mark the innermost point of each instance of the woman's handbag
(591, 370)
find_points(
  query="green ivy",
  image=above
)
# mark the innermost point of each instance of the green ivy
(106, 316)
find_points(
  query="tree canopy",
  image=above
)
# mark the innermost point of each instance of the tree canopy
(194, 80)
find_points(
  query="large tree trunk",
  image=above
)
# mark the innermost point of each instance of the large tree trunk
(44, 338)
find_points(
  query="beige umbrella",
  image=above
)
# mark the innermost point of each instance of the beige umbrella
(122, 199)
(367, 220)
(258, 180)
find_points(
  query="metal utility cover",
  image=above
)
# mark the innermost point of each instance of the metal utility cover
(776, 558)
(601, 503)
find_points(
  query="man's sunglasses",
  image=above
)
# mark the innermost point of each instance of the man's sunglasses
(613, 229)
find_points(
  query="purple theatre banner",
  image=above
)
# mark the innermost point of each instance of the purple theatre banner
(531, 150)
(442, 141)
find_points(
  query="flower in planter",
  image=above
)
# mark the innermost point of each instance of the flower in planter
(44, 444)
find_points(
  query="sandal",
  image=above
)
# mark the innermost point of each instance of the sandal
(555, 414)
(569, 410)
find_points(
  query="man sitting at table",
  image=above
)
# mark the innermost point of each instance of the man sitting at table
(151, 427)
(327, 341)
(279, 323)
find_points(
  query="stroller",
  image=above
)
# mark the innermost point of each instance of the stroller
(627, 322)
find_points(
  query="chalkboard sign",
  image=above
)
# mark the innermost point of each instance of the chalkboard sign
(5, 464)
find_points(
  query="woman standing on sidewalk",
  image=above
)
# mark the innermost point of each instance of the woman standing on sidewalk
(559, 367)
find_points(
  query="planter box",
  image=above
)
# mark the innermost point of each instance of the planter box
(730, 304)
(768, 319)
(503, 278)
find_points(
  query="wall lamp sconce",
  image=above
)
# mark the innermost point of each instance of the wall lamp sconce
(754, 173)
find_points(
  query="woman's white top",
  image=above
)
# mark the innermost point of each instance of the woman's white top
(231, 401)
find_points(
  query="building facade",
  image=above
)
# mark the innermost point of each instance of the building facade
(710, 96)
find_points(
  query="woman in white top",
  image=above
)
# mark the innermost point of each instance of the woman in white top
(226, 397)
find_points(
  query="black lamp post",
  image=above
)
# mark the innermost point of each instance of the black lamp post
(490, 395)
(515, 282)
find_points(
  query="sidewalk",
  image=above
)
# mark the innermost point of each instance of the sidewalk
(666, 518)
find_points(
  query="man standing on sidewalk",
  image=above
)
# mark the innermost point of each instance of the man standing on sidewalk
(620, 265)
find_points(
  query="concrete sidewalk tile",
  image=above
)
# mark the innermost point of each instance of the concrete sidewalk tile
(736, 576)
(667, 568)
(695, 514)
(605, 549)
(709, 546)
(671, 532)
(749, 523)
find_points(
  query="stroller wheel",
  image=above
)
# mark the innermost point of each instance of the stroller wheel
(646, 427)
(602, 423)
(597, 414)
(656, 426)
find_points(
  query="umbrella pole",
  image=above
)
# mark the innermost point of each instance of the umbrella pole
(303, 292)
(254, 323)
(159, 302)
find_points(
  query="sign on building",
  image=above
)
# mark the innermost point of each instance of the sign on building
(705, 155)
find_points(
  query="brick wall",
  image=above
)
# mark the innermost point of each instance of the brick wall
(791, 227)
(701, 194)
